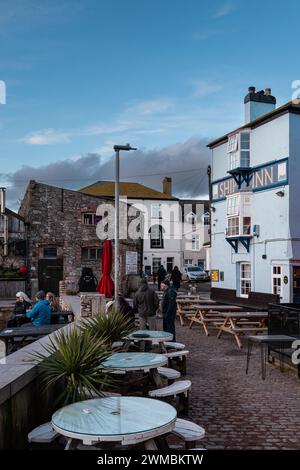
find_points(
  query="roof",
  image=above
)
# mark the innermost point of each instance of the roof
(131, 190)
(289, 107)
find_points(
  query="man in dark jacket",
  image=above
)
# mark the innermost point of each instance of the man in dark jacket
(146, 303)
(161, 274)
(176, 277)
(169, 308)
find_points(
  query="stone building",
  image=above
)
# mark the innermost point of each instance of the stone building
(62, 236)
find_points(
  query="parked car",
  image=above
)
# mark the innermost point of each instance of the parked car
(194, 273)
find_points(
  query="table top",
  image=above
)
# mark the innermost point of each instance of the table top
(150, 335)
(245, 314)
(272, 338)
(125, 419)
(134, 361)
(195, 301)
(218, 308)
(29, 330)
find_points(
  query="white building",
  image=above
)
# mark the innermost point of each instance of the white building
(161, 211)
(255, 204)
(196, 233)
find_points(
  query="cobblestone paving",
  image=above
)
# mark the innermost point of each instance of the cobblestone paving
(239, 411)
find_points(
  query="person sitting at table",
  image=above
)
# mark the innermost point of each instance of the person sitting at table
(23, 303)
(53, 302)
(146, 303)
(40, 314)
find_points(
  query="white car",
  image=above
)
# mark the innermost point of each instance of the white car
(194, 273)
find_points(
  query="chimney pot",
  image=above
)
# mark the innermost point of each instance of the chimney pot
(268, 91)
(251, 89)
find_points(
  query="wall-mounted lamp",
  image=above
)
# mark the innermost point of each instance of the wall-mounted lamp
(280, 193)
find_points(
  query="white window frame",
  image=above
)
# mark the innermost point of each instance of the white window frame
(196, 242)
(156, 211)
(188, 262)
(277, 279)
(239, 150)
(94, 218)
(244, 289)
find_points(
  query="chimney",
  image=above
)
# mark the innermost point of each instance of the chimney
(258, 103)
(167, 186)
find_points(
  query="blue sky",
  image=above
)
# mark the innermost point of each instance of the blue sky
(82, 75)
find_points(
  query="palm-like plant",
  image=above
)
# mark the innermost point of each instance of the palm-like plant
(109, 328)
(73, 362)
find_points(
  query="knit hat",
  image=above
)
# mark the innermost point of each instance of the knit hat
(23, 296)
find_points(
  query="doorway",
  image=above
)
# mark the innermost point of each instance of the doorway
(50, 273)
(296, 284)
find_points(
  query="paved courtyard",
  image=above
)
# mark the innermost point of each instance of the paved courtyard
(239, 411)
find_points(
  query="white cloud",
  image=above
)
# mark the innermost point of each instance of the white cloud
(151, 107)
(224, 10)
(204, 88)
(46, 137)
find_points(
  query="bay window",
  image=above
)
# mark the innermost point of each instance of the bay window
(238, 150)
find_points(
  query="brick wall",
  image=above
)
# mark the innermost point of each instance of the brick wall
(55, 218)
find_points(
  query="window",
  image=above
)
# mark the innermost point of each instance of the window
(206, 218)
(232, 143)
(233, 205)
(156, 262)
(245, 149)
(245, 279)
(91, 253)
(156, 237)
(239, 215)
(246, 225)
(200, 263)
(195, 242)
(170, 262)
(90, 218)
(188, 262)
(233, 226)
(50, 252)
(156, 211)
(191, 218)
(276, 279)
(239, 150)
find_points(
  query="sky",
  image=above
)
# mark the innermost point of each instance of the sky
(165, 75)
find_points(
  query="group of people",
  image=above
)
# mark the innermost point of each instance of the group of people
(175, 277)
(33, 313)
(146, 304)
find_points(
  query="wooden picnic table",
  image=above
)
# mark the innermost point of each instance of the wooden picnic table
(201, 315)
(187, 308)
(240, 323)
(9, 335)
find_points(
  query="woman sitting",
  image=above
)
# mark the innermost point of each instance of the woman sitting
(23, 303)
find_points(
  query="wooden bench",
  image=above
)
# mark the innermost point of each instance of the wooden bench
(170, 374)
(181, 356)
(43, 434)
(184, 314)
(178, 389)
(173, 345)
(188, 431)
(206, 319)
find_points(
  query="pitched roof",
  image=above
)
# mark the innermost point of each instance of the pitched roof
(131, 190)
(286, 108)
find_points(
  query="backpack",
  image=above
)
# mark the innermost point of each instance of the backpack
(87, 281)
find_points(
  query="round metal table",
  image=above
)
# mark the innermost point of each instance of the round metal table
(128, 420)
(130, 361)
(157, 338)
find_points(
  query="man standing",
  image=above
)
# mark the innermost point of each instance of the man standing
(161, 274)
(169, 308)
(146, 303)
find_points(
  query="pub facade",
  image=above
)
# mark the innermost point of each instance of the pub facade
(255, 215)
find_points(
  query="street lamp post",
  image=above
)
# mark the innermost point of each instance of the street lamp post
(117, 149)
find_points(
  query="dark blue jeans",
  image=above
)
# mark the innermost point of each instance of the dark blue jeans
(169, 325)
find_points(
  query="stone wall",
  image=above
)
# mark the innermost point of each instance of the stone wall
(54, 216)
